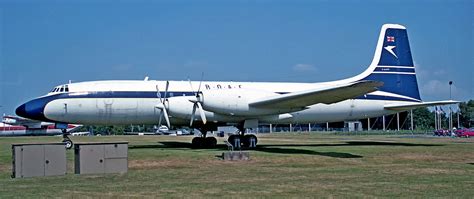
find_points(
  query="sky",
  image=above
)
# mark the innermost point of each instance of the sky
(47, 43)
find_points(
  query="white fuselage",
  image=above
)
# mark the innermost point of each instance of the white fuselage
(134, 102)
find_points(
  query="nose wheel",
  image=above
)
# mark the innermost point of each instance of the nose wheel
(66, 140)
(68, 143)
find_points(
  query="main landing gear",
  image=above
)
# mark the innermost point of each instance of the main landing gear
(238, 141)
(203, 141)
(66, 140)
(243, 141)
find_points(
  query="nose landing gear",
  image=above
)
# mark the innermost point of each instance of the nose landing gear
(66, 140)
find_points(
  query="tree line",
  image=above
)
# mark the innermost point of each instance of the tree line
(424, 118)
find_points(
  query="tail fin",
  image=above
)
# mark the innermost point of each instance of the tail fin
(393, 65)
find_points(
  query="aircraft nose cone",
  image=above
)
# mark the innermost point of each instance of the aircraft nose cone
(32, 110)
(21, 111)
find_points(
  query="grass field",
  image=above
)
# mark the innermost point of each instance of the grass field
(284, 165)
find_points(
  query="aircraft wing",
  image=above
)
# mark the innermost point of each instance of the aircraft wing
(408, 106)
(326, 95)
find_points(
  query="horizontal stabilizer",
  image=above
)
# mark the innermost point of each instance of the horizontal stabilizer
(327, 95)
(413, 105)
(14, 120)
(75, 128)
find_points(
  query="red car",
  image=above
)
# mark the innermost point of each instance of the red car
(464, 132)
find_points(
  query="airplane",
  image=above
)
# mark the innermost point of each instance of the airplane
(387, 86)
(16, 126)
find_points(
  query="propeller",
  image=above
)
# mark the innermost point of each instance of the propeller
(162, 105)
(197, 103)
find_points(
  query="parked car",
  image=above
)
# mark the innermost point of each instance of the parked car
(464, 132)
(163, 130)
(442, 132)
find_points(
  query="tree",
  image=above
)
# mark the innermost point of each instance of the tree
(117, 130)
(467, 114)
(423, 119)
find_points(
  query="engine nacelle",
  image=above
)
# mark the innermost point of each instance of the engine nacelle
(181, 107)
(235, 102)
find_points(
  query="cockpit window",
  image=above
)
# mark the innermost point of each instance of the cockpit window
(61, 88)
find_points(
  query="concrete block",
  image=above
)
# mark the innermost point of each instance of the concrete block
(236, 155)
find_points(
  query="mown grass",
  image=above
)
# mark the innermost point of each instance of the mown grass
(284, 165)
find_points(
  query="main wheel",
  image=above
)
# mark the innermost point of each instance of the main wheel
(68, 143)
(250, 141)
(210, 142)
(197, 142)
(234, 140)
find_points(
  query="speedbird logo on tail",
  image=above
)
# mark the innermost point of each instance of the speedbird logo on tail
(390, 50)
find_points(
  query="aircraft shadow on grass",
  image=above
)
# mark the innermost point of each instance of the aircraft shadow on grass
(283, 148)
(360, 143)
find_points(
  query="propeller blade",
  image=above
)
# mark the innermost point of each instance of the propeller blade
(166, 90)
(158, 94)
(161, 116)
(201, 111)
(192, 115)
(166, 117)
(162, 105)
(199, 88)
(191, 85)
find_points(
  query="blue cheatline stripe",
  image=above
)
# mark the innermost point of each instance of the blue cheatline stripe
(387, 69)
(124, 94)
